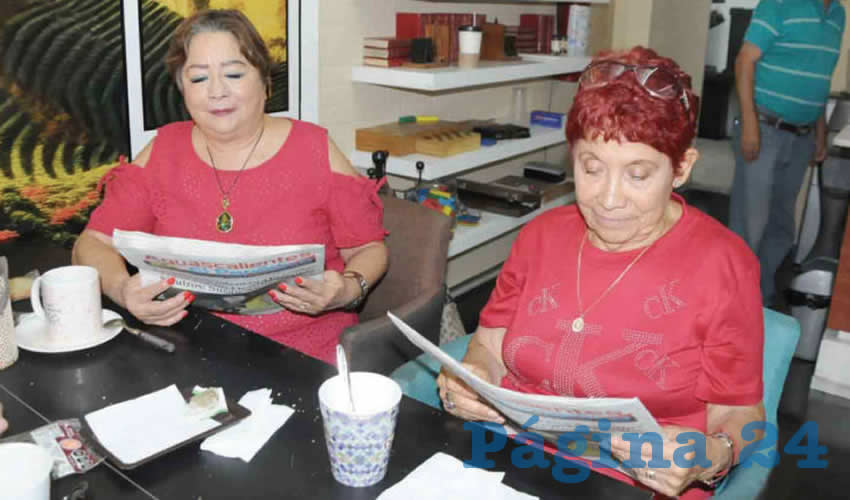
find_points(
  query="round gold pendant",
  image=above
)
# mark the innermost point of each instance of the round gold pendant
(224, 222)
(578, 324)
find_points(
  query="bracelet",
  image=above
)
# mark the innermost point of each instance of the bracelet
(364, 289)
(718, 476)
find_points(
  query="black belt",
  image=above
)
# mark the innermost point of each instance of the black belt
(783, 125)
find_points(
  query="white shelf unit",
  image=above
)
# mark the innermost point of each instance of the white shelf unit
(436, 167)
(530, 66)
(494, 225)
(454, 77)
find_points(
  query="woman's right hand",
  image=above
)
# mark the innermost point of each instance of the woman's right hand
(139, 300)
(750, 139)
(460, 400)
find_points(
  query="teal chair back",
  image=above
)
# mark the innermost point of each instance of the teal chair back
(418, 378)
(781, 333)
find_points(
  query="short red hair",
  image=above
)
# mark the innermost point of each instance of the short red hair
(624, 111)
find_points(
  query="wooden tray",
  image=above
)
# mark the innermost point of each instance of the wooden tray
(449, 143)
(442, 138)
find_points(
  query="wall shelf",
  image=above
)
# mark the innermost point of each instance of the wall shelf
(454, 77)
(435, 167)
(494, 225)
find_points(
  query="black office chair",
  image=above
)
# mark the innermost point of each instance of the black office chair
(413, 289)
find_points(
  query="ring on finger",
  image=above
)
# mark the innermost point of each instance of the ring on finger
(450, 405)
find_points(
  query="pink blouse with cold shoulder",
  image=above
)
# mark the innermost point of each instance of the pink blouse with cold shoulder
(292, 198)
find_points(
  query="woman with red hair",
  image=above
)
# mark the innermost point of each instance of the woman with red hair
(630, 292)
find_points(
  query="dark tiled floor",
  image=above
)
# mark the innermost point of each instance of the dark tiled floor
(798, 405)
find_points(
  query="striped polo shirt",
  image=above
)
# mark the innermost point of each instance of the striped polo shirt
(800, 42)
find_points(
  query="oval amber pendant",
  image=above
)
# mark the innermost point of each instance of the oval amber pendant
(224, 222)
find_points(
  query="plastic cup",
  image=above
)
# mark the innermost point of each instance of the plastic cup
(469, 45)
(24, 471)
(359, 442)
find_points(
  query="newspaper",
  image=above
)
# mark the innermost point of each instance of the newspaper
(224, 277)
(549, 416)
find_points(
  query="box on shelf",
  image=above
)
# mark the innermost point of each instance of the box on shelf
(441, 37)
(499, 196)
(441, 138)
(493, 41)
(409, 25)
(549, 119)
(545, 171)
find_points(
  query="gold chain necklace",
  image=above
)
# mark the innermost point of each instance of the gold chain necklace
(224, 221)
(578, 323)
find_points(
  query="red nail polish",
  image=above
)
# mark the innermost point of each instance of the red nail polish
(171, 280)
(188, 296)
(272, 295)
(282, 287)
(299, 280)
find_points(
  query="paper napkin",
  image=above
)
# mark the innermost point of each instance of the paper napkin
(443, 476)
(139, 428)
(245, 439)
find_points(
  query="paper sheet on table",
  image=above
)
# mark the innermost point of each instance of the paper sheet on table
(141, 427)
(245, 439)
(443, 476)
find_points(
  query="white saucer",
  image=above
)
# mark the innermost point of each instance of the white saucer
(30, 335)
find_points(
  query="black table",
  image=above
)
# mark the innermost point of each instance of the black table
(292, 464)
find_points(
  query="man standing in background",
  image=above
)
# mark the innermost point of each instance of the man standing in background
(783, 74)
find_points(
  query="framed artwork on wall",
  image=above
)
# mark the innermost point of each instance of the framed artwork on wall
(63, 114)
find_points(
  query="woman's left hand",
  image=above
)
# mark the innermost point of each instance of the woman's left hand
(312, 297)
(672, 480)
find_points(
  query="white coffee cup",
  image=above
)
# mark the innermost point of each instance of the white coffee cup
(68, 300)
(24, 471)
(469, 45)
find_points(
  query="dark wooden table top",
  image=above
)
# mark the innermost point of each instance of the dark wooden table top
(292, 464)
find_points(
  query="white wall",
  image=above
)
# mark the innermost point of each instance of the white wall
(673, 21)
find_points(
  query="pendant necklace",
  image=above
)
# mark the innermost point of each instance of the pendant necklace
(224, 221)
(578, 323)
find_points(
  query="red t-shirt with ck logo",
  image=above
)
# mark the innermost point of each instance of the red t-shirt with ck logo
(683, 328)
